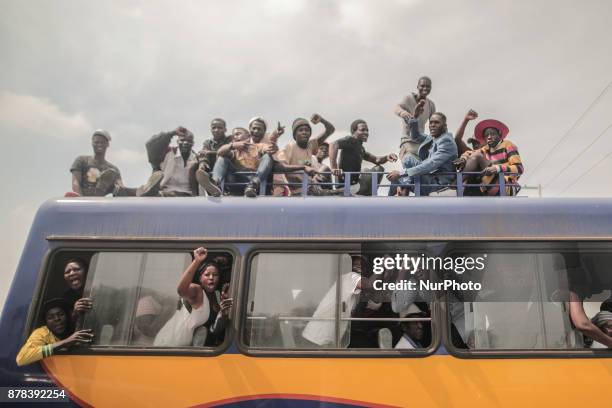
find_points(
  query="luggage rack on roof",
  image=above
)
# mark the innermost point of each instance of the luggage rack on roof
(344, 188)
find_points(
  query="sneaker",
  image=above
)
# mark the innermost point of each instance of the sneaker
(151, 187)
(207, 183)
(122, 191)
(252, 188)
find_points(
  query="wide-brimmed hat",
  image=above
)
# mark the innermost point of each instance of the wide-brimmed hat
(490, 123)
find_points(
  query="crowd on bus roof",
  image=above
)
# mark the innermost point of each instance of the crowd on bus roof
(240, 162)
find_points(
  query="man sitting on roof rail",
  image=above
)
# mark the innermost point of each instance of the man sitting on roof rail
(496, 155)
(300, 151)
(208, 154)
(254, 155)
(178, 163)
(321, 168)
(352, 156)
(436, 154)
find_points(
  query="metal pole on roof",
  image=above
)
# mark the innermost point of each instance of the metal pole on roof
(538, 187)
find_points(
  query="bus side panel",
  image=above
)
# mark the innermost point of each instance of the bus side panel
(439, 380)
(15, 316)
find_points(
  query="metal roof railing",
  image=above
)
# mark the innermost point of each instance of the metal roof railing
(345, 186)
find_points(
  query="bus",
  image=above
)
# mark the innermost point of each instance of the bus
(299, 333)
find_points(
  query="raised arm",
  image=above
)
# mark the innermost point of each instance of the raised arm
(413, 123)
(158, 144)
(461, 145)
(188, 290)
(329, 128)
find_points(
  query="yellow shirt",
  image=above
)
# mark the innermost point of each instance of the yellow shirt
(38, 346)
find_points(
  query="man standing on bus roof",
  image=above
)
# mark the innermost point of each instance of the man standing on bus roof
(405, 110)
(352, 155)
(437, 152)
(300, 151)
(178, 163)
(93, 175)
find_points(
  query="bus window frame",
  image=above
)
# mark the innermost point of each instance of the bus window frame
(526, 246)
(327, 247)
(92, 246)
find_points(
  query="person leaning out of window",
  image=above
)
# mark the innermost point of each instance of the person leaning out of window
(56, 334)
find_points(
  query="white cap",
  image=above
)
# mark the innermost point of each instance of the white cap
(411, 310)
(103, 133)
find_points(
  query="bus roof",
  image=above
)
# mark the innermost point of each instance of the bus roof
(320, 218)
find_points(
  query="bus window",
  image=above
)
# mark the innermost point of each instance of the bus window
(523, 303)
(327, 301)
(285, 290)
(134, 296)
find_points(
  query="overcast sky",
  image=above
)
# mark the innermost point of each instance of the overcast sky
(138, 68)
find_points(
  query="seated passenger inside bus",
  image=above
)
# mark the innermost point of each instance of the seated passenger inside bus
(55, 334)
(413, 332)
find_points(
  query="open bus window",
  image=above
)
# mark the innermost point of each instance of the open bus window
(524, 300)
(134, 296)
(326, 301)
